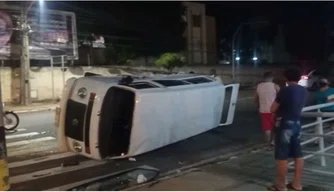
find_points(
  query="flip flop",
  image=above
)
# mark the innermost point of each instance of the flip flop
(274, 188)
(289, 186)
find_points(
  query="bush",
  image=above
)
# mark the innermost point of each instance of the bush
(120, 55)
(170, 60)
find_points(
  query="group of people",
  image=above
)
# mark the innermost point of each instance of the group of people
(280, 105)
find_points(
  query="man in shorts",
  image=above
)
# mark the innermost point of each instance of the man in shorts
(290, 101)
(325, 95)
(266, 92)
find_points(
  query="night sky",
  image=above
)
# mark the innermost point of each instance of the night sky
(303, 22)
(307, 25)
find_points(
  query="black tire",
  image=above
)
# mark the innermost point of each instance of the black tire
(13, 116)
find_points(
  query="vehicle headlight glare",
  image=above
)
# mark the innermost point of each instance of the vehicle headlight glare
(77, 147)
(82, 92)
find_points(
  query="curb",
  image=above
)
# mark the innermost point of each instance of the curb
(185, 169)
(34, 110)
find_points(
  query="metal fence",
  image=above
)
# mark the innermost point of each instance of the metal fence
(319, 135)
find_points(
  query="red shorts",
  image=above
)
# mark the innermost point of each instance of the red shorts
(268, 122)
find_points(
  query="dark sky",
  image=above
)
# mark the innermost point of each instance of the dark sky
(304, 22)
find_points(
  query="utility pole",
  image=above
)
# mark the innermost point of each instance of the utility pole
(4, 172)
(232, 54)
(25, 57)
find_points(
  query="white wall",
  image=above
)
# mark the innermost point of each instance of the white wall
(41, 78)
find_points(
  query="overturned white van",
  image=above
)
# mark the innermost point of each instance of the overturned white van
(118, 117)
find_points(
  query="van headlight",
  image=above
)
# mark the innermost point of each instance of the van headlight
(82, 92)
(77, 147)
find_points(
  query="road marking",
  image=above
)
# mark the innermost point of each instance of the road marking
(29, 141)
(15, 131)
(20, 130)
(21, 135)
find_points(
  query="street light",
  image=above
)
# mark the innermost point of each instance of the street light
(25, 54)
(233, 40)
(237, 58)
(254, 58)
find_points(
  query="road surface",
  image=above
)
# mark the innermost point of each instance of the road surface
(34, 135)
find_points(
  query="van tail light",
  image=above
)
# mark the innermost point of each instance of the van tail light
(305, 77)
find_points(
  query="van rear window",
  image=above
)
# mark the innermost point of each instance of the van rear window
(198, 80)
(142, 85)
(171, 83)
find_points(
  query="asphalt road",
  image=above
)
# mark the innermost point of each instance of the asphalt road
(34, 136)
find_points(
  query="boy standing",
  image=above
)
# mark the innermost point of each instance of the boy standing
(266, 92)
(290, 101)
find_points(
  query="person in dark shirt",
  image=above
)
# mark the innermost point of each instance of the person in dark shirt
(290, 102)
(280, 81)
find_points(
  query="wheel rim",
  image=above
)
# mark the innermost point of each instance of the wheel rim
(10, 121)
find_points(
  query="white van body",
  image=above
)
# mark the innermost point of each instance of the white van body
(100, 118)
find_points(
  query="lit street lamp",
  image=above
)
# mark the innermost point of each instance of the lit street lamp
(25, 55)
(233, 42)
(25, 29)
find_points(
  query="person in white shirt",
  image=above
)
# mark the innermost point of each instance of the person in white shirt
(266, 92)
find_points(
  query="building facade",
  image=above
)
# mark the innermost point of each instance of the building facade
(200, 34)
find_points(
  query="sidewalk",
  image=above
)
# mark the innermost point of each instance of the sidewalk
(32, 108)
(253, 171)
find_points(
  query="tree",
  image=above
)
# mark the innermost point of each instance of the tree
(170, 60)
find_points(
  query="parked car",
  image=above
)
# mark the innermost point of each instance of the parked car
(224, 62)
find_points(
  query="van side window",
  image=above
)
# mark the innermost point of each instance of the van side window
(171, 83)
(198, 80)
(142, 85)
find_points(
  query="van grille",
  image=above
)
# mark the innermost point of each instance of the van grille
(74, 120)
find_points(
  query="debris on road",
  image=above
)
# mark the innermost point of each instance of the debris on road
(132, 159)
(234, 157)
(141, 178)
